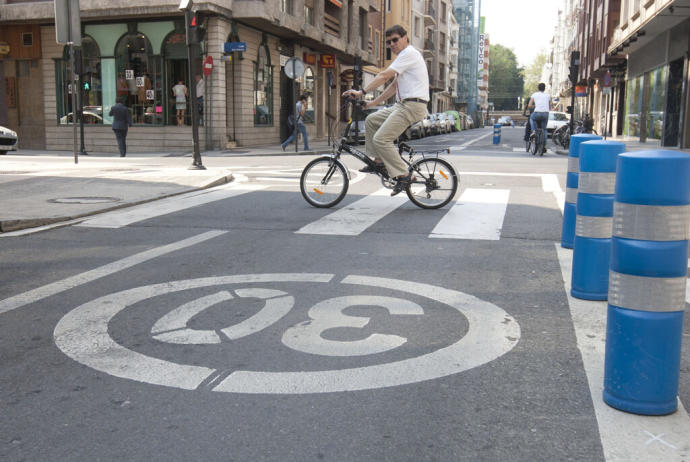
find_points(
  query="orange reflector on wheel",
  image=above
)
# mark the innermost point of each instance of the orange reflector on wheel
(443, 174)
(317, 191)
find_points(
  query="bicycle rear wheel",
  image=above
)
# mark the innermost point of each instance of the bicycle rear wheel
(435, 183)
(541, 141)
(324, 182)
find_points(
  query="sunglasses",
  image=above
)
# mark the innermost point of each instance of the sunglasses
(393, 40)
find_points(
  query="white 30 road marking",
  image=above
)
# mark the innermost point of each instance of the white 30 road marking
(82, 334)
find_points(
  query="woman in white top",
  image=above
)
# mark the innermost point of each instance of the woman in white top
(180, 94)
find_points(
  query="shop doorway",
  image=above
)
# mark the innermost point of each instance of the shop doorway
(176, 70)
(287, 103)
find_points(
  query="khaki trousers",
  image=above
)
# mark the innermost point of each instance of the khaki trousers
(384, 126)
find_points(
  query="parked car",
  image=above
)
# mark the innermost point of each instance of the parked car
(470, 121)
(556, 121)
(8, 140)
(89, 118)
(506, 121)
(428, 124)
(416, 130)
(444, 121)
(456, 118)
(360, 124)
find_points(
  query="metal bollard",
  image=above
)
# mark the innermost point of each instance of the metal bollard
(594, 219)
(568, 231)
(649, 258)
(497, 133)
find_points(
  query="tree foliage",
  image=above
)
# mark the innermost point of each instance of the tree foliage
(506, 81)
(533, 74)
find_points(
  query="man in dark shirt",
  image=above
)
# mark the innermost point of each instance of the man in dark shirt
(122, 120)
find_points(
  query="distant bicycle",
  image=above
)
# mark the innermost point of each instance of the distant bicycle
(325, 180)
(538, 140)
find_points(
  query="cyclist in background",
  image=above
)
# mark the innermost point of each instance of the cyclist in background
(541, 102)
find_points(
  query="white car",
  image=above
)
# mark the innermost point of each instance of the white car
(556, 121)
(8, 140)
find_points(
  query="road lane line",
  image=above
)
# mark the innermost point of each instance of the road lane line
(624, 436)
(477, 214)
(124, 217)
(356, 217)
(464, 145)
(57, 287)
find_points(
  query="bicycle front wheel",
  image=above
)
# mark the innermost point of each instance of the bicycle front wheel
(435, 183)
(324, 182)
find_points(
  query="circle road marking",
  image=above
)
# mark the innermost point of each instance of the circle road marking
(82, 334)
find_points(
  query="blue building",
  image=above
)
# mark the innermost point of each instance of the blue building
(467, 14)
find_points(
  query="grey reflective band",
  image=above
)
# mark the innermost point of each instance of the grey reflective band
(596, 227)
(647, 294)
(596, 183)
(573, 164)
(651, 222)
(571, 195)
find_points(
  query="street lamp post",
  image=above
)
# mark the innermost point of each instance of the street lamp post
(186, 6)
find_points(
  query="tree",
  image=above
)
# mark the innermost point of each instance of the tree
(506, 81)
(533, 74)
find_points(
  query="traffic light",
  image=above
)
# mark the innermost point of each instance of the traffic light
(78, 67)
(86, 86)
(358, 73)
(197, 31)
(574, 71)
(569, 110)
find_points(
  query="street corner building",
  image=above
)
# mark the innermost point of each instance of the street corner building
(136, 50)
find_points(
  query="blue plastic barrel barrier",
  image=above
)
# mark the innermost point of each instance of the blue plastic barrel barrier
(649, 258)
(594, 219)
(497, 133)
(568, 231)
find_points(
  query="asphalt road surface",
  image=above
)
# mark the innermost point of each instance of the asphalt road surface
(251, 326)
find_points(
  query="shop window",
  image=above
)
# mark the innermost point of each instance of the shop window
(307, 85)
(263, 87)
(655, 103)
(139, 78)
(633, 106)
(90, 84)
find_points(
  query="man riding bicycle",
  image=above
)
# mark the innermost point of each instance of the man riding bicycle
(411, 86)
(541, 102)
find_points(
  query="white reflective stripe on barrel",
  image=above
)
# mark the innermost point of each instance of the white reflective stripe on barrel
(596, 183)
(645, 293)
(571, 195)
(595, 227)
(573, 164)
(651, 222)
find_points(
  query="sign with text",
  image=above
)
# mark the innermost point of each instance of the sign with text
(327, 61)
(208, 65)
(309, 58)
(580, 90)
(231, 47)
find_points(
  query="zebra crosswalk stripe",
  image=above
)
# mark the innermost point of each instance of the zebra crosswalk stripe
(356, 217)
(477, 214)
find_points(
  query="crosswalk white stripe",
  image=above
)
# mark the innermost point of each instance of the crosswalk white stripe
(120, 218)
(356, 217)
(477, 214)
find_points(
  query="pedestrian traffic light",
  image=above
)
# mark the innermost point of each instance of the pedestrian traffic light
(197, 31)
(86, 86)
(569, 110)
(78, 67)
(358, 73)
(574, 71)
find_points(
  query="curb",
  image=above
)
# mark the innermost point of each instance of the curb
(7, 226)
(279, 154)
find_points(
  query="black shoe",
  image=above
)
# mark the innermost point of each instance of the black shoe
(282, 147)
(402, 184)
(373, 168)
(122, 155)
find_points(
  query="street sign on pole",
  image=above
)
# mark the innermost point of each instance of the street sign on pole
(231, 47)
(208, 66)
(67, 22)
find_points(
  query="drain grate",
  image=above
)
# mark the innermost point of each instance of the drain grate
(84, 200)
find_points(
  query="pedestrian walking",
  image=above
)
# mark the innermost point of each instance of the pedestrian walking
(301, 110)
(122, 120)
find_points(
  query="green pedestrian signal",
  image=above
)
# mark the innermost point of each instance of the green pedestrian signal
(87, 87)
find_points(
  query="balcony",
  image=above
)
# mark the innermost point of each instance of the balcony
(428, 48)
(429, 15)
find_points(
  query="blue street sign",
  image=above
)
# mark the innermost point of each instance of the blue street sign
(230, 47)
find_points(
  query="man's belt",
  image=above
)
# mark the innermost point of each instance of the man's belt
(414, 100)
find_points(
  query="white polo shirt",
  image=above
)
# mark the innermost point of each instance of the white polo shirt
(413, 76)
(541, 101)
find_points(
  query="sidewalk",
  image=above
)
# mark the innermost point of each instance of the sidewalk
(631, 145)
(39, 188)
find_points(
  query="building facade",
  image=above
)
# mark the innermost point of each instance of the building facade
(466, 13)
(136, 50)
